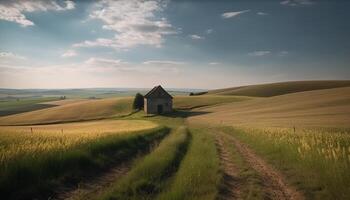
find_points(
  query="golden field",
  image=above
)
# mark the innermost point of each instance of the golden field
(274, 89)
(18, 140)
(318, 108)
(72, 111)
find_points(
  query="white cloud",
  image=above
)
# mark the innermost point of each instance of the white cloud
(297, 2)
(133, 21)
(103, 62)
(70, 5)
(163, 62)
(69, 53)
(214, 63)
(227, 15)
(196, 37)
(209, 31)
(262, 13)
(259, 53)
(13, 10)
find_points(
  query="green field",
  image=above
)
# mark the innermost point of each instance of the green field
(290, 146)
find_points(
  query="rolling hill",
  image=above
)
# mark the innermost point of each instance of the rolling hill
(325, 108)
(75, 111)
(274, 89)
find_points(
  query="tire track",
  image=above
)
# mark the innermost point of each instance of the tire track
(231, 187)
(273, 182)
(93, 186)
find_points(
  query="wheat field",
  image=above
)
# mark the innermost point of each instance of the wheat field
(16, 141)
(318, 108)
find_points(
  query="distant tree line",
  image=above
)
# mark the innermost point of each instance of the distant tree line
(197, 93)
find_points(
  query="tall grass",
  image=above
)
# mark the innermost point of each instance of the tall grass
(17, 142)
(198, 176)
(33, 174)
(317, 160)
(149, 175)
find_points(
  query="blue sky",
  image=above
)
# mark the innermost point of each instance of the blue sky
(185, 44)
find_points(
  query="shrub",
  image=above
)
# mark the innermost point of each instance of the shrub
(138, 102)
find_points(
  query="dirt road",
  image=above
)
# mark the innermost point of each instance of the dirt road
(274, 184)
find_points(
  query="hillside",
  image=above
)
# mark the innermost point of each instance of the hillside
(326, 108)
(274, 89)
(75, 111)
(190, 102)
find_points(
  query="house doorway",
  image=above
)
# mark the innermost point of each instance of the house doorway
(160, 109)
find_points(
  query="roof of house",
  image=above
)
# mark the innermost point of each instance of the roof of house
(158, 92)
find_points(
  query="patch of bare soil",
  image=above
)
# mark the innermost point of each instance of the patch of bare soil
(230, 188)
(274, 183)
(93, 186)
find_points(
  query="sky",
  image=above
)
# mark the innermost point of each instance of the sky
(176, 43)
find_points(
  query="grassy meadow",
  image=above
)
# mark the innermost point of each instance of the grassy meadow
(305, 136)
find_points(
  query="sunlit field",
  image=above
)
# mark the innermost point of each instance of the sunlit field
(73, 111)
(313, 157)
(36, 158)
(31, 140)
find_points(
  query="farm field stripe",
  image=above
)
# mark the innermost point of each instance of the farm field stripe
(230, 179)
(274, 182)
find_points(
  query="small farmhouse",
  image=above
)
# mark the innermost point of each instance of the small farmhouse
(158, 101)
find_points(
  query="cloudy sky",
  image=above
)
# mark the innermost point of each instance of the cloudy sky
(176, 43)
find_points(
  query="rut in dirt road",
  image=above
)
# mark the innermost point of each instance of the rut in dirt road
(230, 188)
(93, 187)
(274, 183)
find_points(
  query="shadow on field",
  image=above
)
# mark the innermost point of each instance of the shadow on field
(184, 113)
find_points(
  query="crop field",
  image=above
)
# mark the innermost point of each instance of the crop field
(14, 106)
(291, 146)
(31, 140)
(190, 102)
(274, 89)
(76, 111)
(325, 108)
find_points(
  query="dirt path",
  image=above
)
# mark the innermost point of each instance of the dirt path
(92, 187)
(273, 182)
(230, 189)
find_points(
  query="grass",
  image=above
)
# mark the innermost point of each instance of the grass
(274, 89)
(149, 175)
(190, 102)
(198, 175)
(39, 169)
(17, 142)
(317, 161)
(10, 107)
(77, 111)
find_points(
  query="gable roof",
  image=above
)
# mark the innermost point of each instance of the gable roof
(158, 92)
